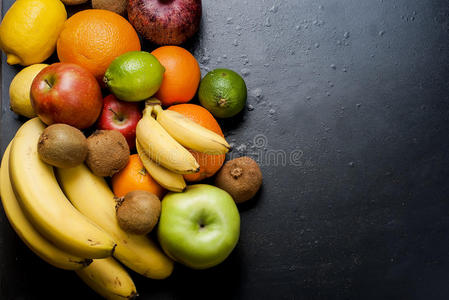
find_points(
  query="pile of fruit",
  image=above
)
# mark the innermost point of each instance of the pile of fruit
(88, 204)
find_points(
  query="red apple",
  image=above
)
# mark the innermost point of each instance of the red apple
(121, 116)
(66, 93)
(165, 22)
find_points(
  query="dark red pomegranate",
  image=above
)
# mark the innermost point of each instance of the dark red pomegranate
(165, 22)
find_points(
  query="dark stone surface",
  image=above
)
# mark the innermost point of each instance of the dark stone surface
(358, 92)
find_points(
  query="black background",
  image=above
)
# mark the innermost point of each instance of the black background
(358, 91)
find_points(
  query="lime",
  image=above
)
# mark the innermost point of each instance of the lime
(134, 76)
(223, 93)
(19, 90)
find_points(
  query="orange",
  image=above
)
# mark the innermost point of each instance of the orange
(209, 164)
(92, 38)
(135, 177)
(182, 75)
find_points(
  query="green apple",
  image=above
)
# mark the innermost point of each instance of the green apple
(199, 227)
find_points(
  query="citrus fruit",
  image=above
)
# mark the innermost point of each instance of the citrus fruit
(134, 177)
(92, 38)
(182, 75)
(19, 90)
(223, 93)
(134, 76)
(209, 164)
(29, 30)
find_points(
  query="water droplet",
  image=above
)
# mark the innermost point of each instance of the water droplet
(298, 27)
(257, 92)
(238, 27)
(271, 111)
(331, 84)
(205, 59)
(308, 98)
(346, 35)
(274, 8)
(351, 164)
(224, 56)
(320, 7)
(315, 22)
(229, 20)
(241, 148)
(266, 65)
(333, 66)
(245, 71)
(344, 70)
(358, 105)
(235, 42)
(267, 22)
(250, 107)
(317, 45)
(381, 33)
(338, 42)
(328, 94)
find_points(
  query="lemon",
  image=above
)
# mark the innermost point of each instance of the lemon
(19, 90)
(29, 30)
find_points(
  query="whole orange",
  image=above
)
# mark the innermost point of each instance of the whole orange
(209, 164)
(182, 75)
(92, 38)
(134, 177)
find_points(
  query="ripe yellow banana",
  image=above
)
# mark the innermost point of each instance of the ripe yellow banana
(91, 195)
(162, 148)
(109, 279)
(44, 203)
(33, 239)
(190, 134)
(166, 178)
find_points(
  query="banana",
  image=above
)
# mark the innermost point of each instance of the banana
(45, 204)
(33, 239)
(189, 133)
(166, 178)
(91, 195)
(162, 148)
(109, 279)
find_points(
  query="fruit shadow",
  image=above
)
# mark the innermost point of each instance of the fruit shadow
(223, 281)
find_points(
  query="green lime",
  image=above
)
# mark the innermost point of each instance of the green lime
(223, 93)
(134, 76)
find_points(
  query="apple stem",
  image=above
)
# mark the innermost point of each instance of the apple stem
(120, 118)
(50, 85)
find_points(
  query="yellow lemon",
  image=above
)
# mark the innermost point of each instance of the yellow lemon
(29, 30)
(19, 90)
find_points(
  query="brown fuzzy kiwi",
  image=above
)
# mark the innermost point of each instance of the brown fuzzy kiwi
(138, 212)
(62, 146)
(108, 152)
(240, 177)
(117, 6)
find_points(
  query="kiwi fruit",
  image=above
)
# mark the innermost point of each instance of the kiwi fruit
(138, 212)
(62, 146)
(117, 6)
(108, 152)
(240, 177)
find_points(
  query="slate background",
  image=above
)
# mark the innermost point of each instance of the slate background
(357, 90)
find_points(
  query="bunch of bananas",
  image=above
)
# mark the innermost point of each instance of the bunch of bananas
(68, 219)
(162, 137)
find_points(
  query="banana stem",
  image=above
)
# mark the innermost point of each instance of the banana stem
(152, 102)
(157, 109)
